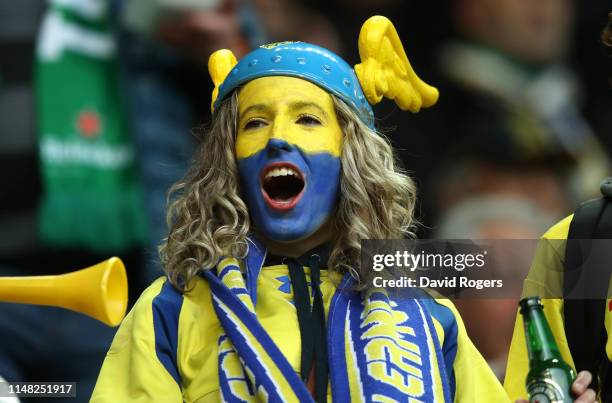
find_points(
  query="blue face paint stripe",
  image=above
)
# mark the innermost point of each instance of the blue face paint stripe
(317, 203)
(166, 310)
(451, 331)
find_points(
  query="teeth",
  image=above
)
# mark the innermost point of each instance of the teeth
(281, 172)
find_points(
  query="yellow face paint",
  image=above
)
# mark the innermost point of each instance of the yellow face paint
(289, 109)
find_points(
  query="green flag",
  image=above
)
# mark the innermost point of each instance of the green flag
(91, 195)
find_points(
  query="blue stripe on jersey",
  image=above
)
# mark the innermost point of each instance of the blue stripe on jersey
(166, 310)
(446, 318)
(256, 255)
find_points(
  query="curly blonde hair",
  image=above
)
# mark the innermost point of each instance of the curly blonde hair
(209, 219)
(606, 34)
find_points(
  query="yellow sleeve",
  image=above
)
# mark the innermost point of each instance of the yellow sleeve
(474, 379)
(131, 371)
(545, 279)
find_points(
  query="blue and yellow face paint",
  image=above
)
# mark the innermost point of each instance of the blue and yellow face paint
(288, 148)
(289, 140)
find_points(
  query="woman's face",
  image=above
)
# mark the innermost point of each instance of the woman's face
(288, 148)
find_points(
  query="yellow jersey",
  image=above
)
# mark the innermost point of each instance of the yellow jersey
(166, 348)
(546, 278)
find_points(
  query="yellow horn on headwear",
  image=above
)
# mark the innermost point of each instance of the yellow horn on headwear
(220, 63)
(385, 70)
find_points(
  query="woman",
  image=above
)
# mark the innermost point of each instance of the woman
(264, 298)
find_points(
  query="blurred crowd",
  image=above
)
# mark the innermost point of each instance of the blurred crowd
(101, 100)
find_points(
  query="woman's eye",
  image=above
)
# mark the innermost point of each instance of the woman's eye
(254, 124)
(308, 120)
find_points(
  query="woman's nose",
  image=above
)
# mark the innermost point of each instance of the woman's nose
(276, 145)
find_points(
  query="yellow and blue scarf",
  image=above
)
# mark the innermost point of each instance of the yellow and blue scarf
(381, 349)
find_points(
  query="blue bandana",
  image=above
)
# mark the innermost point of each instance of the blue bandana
(303, 60)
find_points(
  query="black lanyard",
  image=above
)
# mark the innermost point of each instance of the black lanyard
(311, 318)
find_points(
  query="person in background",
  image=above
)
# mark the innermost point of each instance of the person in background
(41, 343)
(511, 107)
(486, 218)
(573, 253)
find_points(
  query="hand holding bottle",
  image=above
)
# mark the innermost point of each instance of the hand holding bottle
(580, 389)
(550, 378)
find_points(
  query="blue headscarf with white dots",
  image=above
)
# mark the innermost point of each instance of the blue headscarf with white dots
(303, 60)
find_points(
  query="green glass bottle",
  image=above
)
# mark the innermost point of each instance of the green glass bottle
(549, 378)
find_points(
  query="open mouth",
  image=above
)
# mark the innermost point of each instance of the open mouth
(282, 185)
